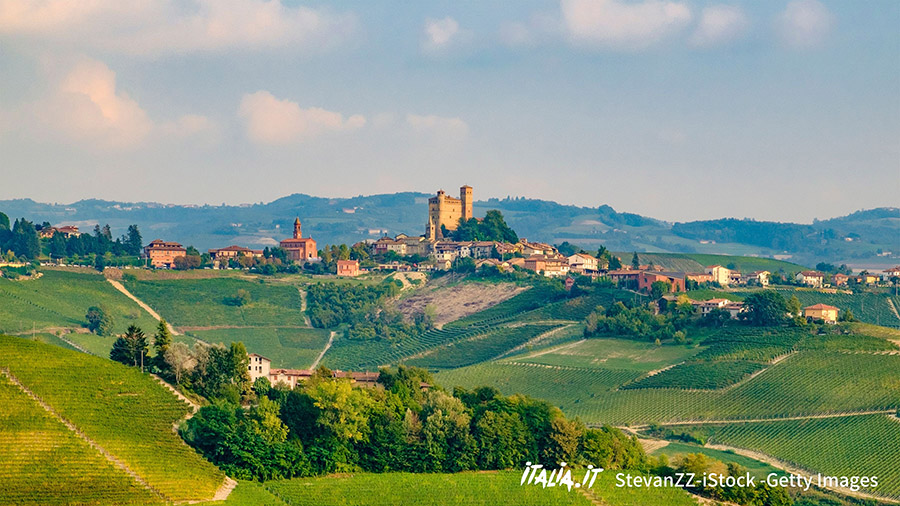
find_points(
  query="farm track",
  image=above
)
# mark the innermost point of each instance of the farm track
(93, 444)
(762, 420)
(893, 308)
(322, 354)
(306, 320)
(191, 328)
(531, 342)
(118, 286)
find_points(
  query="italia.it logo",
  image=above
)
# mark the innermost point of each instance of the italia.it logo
(537, 474)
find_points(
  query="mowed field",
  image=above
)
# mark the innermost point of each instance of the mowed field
(285, 347)
(205, 302)
(60, 299)
(486, 488)
(126, 413)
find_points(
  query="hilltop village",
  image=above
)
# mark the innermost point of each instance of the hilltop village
(454, 239)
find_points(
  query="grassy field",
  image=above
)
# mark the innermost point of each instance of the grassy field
(202, 302)
(61, 299)
(127, 413)
(469, 489)
(43, 462)
(849, 446)
(285, 347)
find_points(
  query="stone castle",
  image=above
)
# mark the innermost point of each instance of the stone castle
(446, 211)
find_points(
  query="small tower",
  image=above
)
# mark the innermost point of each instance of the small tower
(430, 229)
(297, 234)
(465, 195)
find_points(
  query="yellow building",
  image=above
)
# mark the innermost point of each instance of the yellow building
(821, 312)
(446, 211)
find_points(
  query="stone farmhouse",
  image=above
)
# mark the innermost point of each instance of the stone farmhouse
(261, 367)
(162, 254)
(821, 312)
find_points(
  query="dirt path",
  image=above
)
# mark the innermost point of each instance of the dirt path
(327, 345)
(189, 328)
(141, 303)
(535, 340)
(893, 307)
(93, 444)
(760, 420)
(303, 307)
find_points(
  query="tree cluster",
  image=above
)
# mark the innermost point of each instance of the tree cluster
(640, 321)
(327, 425)
(331, 304)
(491, 228)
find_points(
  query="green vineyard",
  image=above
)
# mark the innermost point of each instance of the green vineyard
(43, 462)
(844, 446)
(699, 375)
(124, 411)
(807, 383)
(480, 348)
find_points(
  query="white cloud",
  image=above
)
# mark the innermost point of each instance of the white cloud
(720, 24)
(269, 120)
(448, 128)
(169, 26)
(87, 108)
(804, 23)
(440, 32)
(618, 24)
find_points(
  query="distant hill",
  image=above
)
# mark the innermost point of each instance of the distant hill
(859, 237)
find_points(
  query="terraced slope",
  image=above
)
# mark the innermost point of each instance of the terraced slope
(42, 462)
(125, 412)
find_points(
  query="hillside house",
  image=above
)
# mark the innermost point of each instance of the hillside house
(582, 262)
(66, 231)
(162, 254)
(348, 268)
(260, 367)
(759, 278)
(233, 251)
(810, 278)
(674, 279)
(720, 275)
(548, 265)
(698, 277)
(893, 272)
(821, 312)
(840, 279)
(536, 248)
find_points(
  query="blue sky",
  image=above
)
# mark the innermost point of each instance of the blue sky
(681, 110)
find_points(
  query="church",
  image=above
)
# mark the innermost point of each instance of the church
(300, 249)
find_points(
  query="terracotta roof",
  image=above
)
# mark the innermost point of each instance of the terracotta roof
(812, 274)
(821, 306)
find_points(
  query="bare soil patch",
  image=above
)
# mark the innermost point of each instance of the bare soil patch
(456, 301)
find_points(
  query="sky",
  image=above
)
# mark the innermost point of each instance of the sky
(681, 110)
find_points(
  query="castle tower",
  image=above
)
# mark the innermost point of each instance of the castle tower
(297, 234)
(430, 229)
(465, 196)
